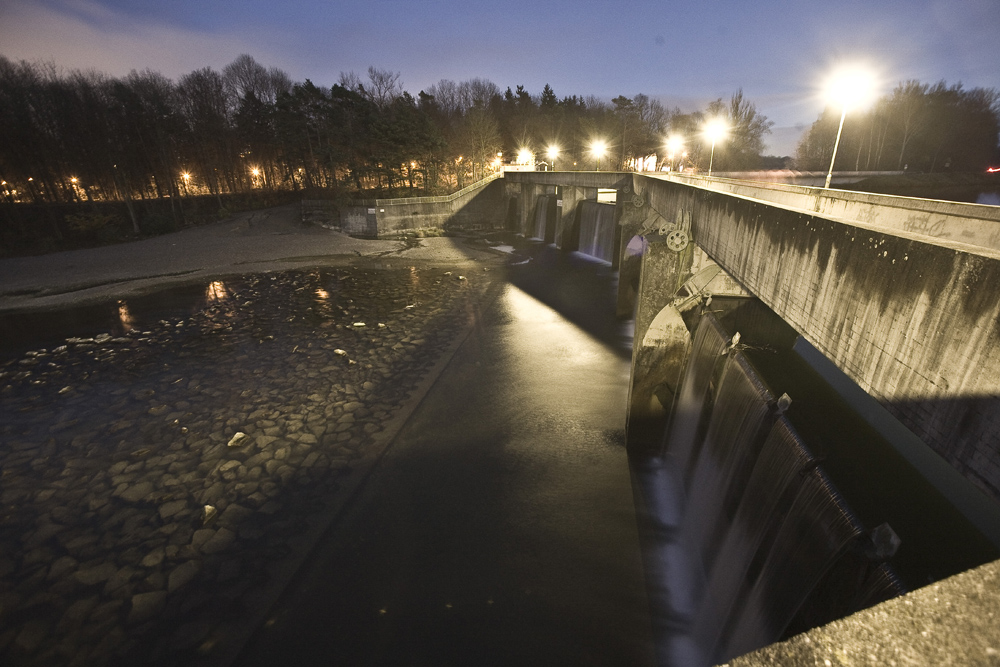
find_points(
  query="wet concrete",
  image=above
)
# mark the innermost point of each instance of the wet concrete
(499, 527)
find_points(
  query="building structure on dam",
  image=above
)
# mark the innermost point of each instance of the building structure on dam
(814, 415)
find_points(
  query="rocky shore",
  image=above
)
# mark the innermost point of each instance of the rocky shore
(156, 481)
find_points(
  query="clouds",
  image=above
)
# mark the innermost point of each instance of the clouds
(683, 53)
(88, 35)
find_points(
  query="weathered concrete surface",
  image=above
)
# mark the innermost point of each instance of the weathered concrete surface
(915, 324)
(479, 206)
(975, 224)
(954, 622)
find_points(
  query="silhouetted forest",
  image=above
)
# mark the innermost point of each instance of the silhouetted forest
(917, 127)
(74, 136)
(84, 136)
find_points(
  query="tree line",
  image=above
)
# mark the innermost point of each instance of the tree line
(86, 136)
(917, 127)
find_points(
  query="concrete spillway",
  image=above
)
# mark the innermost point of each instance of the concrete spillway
(759, 539)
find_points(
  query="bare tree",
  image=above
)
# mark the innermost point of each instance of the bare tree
(385, 87)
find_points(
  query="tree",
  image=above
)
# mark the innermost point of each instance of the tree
(745, 141)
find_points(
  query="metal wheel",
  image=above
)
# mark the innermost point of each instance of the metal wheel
(677, 240)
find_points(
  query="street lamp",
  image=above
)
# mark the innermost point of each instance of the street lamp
(598, 148)
(851, 88)
(674, 146)
(715, 130)
(552, 153)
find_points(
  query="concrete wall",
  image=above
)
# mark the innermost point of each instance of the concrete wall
(916, 324)
(974, 224)
(479, 206)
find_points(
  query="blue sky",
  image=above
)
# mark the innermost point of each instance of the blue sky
(683, 53)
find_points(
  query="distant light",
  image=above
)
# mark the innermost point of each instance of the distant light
(186, 176)
(553, 152)
(524, 156)
(598, 148)
(674, 144)
(72, 180)
(256, 172)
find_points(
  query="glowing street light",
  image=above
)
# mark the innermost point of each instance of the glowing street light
(674, 146)
(598, 149)
(552, 153)
(715, 131)
(851, 88)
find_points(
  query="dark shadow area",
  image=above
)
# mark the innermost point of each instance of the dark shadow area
(582, 289)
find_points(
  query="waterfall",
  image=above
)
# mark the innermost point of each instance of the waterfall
(817, 528)
(765, 542)
(732, 442)
(687, 426)
(772, 486)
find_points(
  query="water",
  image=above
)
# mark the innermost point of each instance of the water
(767, 511)
(114, 424)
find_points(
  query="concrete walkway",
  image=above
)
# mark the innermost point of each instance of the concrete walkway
(499, 527)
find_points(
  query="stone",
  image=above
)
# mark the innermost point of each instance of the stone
(146, 606)
(136, 493)
(219, 542)
(182, 575)
(201, 536)
(62, 567)
(238, 440)
(153, 558)
(234, 515)
(94, 575)
(171, 508)
(31, 636)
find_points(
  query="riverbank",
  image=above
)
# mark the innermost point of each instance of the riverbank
(253, 242)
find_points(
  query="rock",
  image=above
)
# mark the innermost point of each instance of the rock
(182, 575)
(235, 515)
(238, 440)
(208, 514)
(146, 606)
(95, 575)
(136, 493)
(31, 636)
(201, 536)
(171, 508)
(61, 567)
(153, 558)
(220, 541)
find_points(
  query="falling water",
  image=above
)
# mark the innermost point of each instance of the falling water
(773, 485)
(765, 541)
(732, 441)
(683, 441)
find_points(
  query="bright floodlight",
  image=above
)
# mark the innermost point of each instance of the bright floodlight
(850, 88)
(674, 144)
(598, 148)
(524, 156)
(715, 130)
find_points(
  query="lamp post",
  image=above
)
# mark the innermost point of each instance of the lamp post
(715, 131)
(552, 153)
(850, 88)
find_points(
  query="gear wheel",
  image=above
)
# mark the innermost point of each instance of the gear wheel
(677, 240)
(638, 200)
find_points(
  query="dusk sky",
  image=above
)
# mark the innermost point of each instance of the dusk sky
(683, 53)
